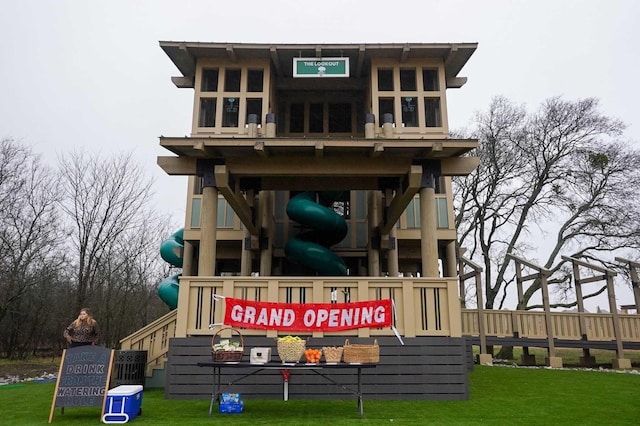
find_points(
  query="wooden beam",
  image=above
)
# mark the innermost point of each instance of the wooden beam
(259, 149)
(360, 61)
(401, 200)
(590, 279)
(630, 262)
(275, 60)
(378, 149)
(182, 82)
(235, 199)
(323, 166)
(231, 53)
(175, 166)
(590, 266)
(528, 264)
(458, 166)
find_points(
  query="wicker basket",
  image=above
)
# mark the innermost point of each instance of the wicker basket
(227, 356)
(363, 354)
(332, 354)
(291, 351)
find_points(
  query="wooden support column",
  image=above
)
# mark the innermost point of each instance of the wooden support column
(607, 275)
(428, 230)
(450, 269)
(265, 206)
(373, 248)
(484, 358)
(246, 257)
(541, 274)
(208, 229)
(187, 259)
(552, 359)
(586, 360)
(620, 361)
(390, 243)
(635, 281)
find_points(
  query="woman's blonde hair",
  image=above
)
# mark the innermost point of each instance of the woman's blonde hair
(90, 319)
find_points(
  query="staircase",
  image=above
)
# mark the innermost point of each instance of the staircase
(153, 338)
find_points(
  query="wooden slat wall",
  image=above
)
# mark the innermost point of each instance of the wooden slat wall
(425, 368)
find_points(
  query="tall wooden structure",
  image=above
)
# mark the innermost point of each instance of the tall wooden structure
(358, 129)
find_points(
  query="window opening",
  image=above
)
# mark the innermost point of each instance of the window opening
(230, 112)
(409, 111)
(432, 112)
(296, 118)
(207, 112)
(340, 118)
(209, 80)
(254, 80)
(316, 118)
(254, 106)
(385, 106)
(232, 80)
(430, 80)
(408, 80)
(385, 80)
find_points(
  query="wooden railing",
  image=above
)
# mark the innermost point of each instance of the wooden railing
(566, 325)
(153, 338)
(423, 306)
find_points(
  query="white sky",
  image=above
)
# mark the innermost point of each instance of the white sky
(90, 73)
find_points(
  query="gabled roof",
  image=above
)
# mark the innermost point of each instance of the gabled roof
(185, 54)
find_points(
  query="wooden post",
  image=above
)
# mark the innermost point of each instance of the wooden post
(586, 359)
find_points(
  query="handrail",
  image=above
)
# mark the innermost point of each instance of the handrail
(566, 325)
(153, 338)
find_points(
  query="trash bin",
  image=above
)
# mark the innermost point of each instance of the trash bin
(129, 368)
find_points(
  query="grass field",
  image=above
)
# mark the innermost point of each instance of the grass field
(498, 396)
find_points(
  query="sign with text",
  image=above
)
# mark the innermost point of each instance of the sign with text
(308, 316)
(83, 378)
(321, 67)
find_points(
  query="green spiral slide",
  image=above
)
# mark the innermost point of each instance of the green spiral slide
(171, 251)
(324, 228)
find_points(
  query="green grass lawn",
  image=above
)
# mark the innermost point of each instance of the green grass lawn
(498, 396)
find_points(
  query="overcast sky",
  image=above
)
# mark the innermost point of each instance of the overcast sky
(90, 73)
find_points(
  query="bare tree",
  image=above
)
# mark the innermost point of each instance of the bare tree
(558, 165)
(115, 235)
(30, 245)
(103, 198)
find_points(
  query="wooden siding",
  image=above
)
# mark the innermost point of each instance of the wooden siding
(425, 368)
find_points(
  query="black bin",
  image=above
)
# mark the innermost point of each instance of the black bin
(129, 368)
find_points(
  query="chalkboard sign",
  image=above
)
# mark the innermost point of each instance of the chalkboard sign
(83, 378)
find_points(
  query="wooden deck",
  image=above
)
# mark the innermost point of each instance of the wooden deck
(425, 368)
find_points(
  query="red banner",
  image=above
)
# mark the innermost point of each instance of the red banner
(307, 316)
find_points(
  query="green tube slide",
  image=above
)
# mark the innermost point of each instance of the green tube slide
(168, 290)
(171, 251)
(325, 228)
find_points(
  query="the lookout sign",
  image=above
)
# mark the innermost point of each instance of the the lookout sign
(321, 67)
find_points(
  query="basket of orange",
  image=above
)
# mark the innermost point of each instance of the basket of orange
(312, 355)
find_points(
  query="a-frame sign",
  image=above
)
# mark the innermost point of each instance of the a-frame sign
(83, 378)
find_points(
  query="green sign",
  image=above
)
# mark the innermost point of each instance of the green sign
(321, 67)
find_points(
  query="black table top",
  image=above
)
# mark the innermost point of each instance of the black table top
(285, 365)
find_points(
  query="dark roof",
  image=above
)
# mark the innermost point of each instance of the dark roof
(184, 54)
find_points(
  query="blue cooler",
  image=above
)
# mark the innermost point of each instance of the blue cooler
(123, 404)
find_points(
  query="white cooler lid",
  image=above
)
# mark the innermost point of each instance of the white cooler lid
(125, 390)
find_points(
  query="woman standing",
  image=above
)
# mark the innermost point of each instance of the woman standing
(83, 331)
